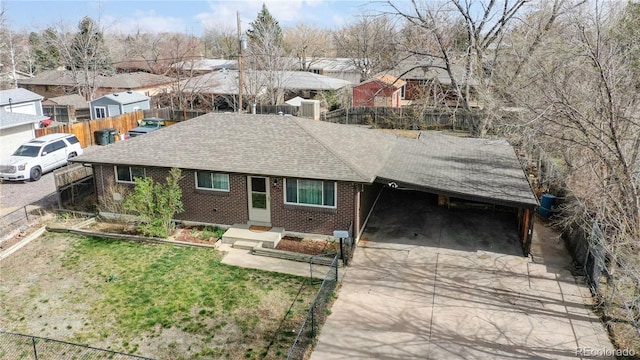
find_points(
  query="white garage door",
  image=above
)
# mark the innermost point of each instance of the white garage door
(29, 108)
(14, 137)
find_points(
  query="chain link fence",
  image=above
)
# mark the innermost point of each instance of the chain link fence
(317, 313)
(15, 346)
(24, 217)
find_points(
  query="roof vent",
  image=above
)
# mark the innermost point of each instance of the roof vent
(129, 92)
(116, 94)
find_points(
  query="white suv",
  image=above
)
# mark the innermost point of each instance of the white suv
(38, 156)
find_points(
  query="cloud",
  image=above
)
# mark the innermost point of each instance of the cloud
(146, 21)
(223, 13)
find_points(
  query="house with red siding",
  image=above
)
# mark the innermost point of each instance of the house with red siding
(382, 90)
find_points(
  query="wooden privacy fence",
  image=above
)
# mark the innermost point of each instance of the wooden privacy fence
(84, 130)
(405, 118)
(173, 114)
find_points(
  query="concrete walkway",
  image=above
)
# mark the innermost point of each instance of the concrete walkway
(244, 258)
(450, 285)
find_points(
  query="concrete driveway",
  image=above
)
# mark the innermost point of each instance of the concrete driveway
(433, 283)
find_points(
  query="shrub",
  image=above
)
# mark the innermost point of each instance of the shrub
(155, 203)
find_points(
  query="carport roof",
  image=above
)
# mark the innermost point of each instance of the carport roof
(476, 169)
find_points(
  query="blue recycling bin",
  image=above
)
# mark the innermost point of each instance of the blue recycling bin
(547, 205)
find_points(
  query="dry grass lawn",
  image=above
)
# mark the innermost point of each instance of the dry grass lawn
(160, 301)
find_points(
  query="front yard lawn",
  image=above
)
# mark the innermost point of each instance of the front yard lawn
(160, 301)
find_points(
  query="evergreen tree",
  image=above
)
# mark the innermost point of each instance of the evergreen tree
(88, 51)
(265, 28)
(45, 53)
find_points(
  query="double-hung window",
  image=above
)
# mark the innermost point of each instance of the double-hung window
(100, 112)
(310, 192)
(127, 174)
(206, 180)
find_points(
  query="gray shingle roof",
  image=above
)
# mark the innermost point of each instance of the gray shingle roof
(206, 64)
(10, 119)
(429, 70)
(125, 97)
(257, 144)
(226, 82)
(480, 169)
(75, 100)
(119, 81)
(18, 96)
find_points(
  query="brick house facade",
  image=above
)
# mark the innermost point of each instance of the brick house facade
(384, 90)
(354, 202)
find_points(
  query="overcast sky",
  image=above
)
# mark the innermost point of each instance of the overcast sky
(190, 16)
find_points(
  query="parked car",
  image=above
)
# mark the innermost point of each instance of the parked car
(148, 125)
(39, 156)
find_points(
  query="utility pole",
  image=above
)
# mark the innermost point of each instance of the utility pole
(239, 63)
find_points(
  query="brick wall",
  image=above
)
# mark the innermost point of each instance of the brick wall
(367, 197)
(219, 207)
(216, 207)
(309, 219)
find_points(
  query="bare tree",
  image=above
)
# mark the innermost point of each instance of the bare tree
(582, 106)
(307, 44)
(83, 53)
(466, 34)
(371, 43)
(220, 43)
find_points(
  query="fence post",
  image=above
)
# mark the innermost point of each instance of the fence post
(313, 319)
(35, 351)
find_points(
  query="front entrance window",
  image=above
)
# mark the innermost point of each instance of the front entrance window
(258, 193)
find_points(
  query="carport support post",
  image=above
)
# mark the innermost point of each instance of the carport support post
(527, 231)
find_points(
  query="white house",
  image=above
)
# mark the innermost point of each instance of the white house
(20, 115)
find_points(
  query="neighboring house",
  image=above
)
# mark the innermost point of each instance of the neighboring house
(340, 68)
(54, 83)
(16, 129)
(20, 114)
(21, 101)
(118, 104)
(134, 65)
(201, 66)
(223, 85)
(309, 176)
(67, 108)
(429, 80)
(382, 90)
(8, 79)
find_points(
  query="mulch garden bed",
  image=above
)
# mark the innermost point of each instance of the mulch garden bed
(307, 246)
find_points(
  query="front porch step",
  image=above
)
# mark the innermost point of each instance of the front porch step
(246, 245)
(269, 239)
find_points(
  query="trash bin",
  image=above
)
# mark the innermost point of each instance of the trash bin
(547, 205)
(112, 135)
(101, 137)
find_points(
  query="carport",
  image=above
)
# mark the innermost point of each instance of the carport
(464, 171)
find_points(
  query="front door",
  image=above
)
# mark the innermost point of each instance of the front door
(259, 209)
